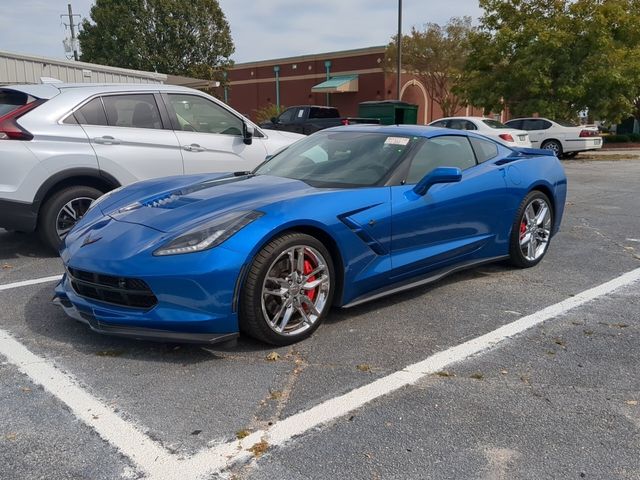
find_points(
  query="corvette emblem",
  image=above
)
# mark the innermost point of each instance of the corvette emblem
(88, 240)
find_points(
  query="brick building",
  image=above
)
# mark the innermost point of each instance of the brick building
(356, 76)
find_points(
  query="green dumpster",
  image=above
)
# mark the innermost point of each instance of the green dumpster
(390, 112)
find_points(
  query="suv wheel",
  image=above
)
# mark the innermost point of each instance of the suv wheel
(62, 211)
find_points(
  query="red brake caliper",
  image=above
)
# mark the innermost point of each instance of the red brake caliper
(308, 268)
(523, 228)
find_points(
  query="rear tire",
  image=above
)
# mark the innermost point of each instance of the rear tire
(61, 212)
(531, 230)
(554, 146)
(288, 290)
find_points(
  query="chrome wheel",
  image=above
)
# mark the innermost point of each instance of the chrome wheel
(535, 229)
(295, 290)
(70, 213)
(554, 146)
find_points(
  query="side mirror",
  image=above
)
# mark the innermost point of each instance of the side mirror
(274, 120)
(247, 133)
(439, 175)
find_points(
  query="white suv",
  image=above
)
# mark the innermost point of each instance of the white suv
(64, 145)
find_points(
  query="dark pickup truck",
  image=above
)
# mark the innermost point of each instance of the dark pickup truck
(307, 119)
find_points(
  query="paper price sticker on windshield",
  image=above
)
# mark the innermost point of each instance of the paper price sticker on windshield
(396, 141)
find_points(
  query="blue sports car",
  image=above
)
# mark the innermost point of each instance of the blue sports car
(344, 216)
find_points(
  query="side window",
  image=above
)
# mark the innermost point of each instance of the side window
(469, 125)
(132, 111)
(439, 124)
(287, 115)
(443, 151)
(533, 124)
(91, 113)
(545, 124)
(197, 114)
(517, 124)
(484, 149)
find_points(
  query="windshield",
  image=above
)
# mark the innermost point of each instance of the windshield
(339, 159)
(493, 123)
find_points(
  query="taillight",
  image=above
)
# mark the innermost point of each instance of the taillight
(506, 137)
(345, 121)
(589, 133)
(9, 128)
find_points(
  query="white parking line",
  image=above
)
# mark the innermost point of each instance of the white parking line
(160, 464)
(26, 283)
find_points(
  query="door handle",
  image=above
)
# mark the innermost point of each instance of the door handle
(194, 147)
(106, 140)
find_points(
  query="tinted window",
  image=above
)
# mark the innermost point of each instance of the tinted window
(484, 149)
(460, 124)
(535, 124)
(287, 115)
(439, 124)
(337, 159)
(133, 111)
(197, 114)
(444, 151)
(323, 113)
(11, 100)
(517, 124)
(493, 123)
(91, 113)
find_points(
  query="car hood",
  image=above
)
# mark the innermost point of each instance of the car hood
(176, 205)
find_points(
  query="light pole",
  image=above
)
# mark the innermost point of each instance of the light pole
(399, 41)
(276, 69)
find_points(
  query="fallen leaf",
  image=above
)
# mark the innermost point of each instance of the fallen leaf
(559, 341)
(504, 372)
(631, 402)
(445, 373)
(109, 353)
(240, 434)
(588, 332)
(11, 436)
(275, 395)
(6, 266)
(619, 325)
(196, 432)
(273, 356)
(25, 389)
(477, 376)
(363, 367)
(259, 448)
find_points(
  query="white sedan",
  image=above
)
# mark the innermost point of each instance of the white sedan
(488, 127)
(563, 138)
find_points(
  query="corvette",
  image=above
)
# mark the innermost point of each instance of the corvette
(344, 216)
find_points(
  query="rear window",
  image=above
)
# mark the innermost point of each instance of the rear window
(323, 113)
(493, 123)
(11, 100)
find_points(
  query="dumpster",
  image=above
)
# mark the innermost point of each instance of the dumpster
(390, 112)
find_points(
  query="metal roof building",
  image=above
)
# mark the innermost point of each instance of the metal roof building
(19, 68)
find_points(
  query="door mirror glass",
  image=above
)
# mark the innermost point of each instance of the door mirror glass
(439, 175)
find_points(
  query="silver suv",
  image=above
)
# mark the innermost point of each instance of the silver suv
(64, 145)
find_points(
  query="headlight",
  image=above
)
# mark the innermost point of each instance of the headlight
(209, 234)
(104, 197)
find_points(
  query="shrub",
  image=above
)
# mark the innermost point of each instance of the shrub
(634, 137)
(616, 139)
(265, 113)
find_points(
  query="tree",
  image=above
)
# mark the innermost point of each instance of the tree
(179, 37)
(555, 57)
(436, 56)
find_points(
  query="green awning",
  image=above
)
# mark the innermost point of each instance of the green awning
(339, 84)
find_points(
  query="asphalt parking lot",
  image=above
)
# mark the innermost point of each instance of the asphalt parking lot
(560, 399)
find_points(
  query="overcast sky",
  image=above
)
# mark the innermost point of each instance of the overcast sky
(261, 29)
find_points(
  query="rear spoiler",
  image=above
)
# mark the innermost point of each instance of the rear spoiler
(534, 152)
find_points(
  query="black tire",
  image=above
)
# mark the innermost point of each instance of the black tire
(569, 155)
(52, 208)
(553, 145)
(516, 254)
(251, 314)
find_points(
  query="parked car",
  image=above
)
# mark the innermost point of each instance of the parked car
(488, 127)
(64, 145)
(308, 119)
(565, 139)
(344, 216)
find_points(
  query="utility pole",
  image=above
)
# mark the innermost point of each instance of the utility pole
(71, 25)
(399, 66)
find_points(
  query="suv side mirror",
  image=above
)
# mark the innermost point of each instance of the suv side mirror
(275, 120)
(438, 175)
(247, 133)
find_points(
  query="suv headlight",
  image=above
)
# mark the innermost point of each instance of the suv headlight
(210, 234)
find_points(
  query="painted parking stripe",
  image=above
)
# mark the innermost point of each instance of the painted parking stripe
(220, 457)
(160, 464)
(26, 283)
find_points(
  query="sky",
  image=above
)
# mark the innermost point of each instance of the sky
(261, 29)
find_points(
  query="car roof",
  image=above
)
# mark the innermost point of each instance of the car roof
(49, 90)
(407, 130)
(530, 118)
(464, 118)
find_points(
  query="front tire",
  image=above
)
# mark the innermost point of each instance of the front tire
(62, 211)
(288, 290)
(531, 230)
